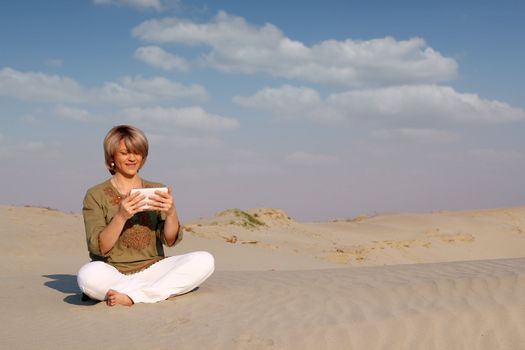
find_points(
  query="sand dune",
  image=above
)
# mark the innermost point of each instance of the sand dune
(282, 292)
(379, 240)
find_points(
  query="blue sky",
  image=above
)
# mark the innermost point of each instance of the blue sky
(325, 109)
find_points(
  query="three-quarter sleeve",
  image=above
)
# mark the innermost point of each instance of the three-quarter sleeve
(160, 230)
(94, 222)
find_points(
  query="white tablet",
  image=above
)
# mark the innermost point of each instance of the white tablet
(148, 192)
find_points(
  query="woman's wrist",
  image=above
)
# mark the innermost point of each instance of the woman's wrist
(171, 213)
(120, 219)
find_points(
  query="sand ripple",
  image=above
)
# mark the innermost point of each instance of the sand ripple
(462, 305)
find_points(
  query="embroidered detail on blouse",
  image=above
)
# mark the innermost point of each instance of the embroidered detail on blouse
(137, 233)
(137, 237)
(113, 196)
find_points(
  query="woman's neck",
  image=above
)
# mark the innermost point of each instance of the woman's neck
(124, 184)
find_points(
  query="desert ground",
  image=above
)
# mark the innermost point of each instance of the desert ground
(440, 280)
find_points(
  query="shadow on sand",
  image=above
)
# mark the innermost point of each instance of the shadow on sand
(67, 284)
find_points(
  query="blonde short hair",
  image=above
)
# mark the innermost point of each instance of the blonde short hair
(134, 139)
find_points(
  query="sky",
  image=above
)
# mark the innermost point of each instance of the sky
(324, 109)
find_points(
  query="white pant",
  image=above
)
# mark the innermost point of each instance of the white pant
(170, 276)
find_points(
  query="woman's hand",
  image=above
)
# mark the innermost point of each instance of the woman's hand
(164, 202)
(131, 204)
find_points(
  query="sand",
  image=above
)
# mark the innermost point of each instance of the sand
(447, 280)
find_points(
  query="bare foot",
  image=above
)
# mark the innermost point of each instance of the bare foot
(116, 298)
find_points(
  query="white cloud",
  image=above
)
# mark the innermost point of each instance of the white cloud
(425, 104)
(140, 4)
(29, 119)
(400, 106)
(311, 159)
(185, 141)
(290, 102)
(237, 46)
(159, 58)
(189, 117)
(30, 149)
(32, 86)
(39, 86)
(421, 135)
(71, 113)
(133, 90)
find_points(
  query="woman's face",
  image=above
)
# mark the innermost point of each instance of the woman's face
(126, 163)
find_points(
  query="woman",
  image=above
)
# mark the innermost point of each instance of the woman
(125, 240)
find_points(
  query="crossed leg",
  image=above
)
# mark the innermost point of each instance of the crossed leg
(171, 276)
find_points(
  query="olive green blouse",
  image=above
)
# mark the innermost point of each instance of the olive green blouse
(141, 241)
